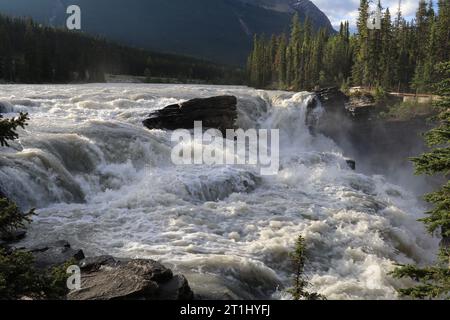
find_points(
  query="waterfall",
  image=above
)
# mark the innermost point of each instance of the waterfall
(106, 184)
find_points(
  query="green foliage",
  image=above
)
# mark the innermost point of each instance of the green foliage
(11, 217)
(380, 94)
(360, 68)
(345, 87)
(19, 278)
(399, 57)
(298, 257)
(55, 281)
(8, 128)
(434, 282)
(299, 62)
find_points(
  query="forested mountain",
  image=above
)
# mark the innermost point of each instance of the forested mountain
(217, 30)
(32, 53)
(402, 55)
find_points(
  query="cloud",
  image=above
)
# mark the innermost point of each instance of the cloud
(343, 10)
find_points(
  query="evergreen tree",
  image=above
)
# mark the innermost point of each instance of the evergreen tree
(8, 128)
(424, 21)
(360, 70)
(280, 61)
(298, 257)
(389, 52)
(443, 31)
(271, 60)
(295, 46)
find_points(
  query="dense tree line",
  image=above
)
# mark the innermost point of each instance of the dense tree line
(32, 53)
(399, 56)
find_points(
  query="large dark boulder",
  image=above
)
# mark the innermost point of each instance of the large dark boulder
(217, 112)
(107, 278)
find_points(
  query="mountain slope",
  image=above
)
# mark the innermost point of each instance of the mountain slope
(305, 8)
(218, 30)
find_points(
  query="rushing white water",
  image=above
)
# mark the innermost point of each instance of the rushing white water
(106, 184)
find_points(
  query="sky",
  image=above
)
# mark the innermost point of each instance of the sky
(342, 10)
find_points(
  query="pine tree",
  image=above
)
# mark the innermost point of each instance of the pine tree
(298, 257)
(360, 70)
(424, 20)
(389, 52)
(8, 128)
(305, 78)
(373, 61)
(280, 61)
(271, 57)
(443, 31)
(295, 50)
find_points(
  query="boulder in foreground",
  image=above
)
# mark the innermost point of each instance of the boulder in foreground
(105, 278)
(217, 112)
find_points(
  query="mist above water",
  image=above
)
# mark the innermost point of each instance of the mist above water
(106, 184)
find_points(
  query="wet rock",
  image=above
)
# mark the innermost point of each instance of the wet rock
(311, 116)
(95, 263)
(332, 99)
(176, 288)
(336, 121)
(13, 236)
(107, 278)
(54, 254)
(361, 105)
(217, 112)
(351, 164)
